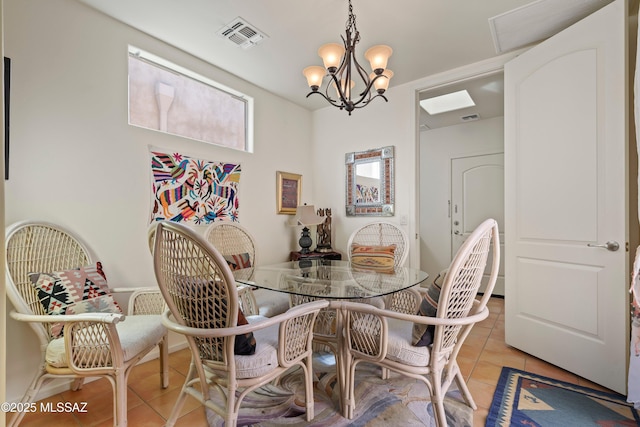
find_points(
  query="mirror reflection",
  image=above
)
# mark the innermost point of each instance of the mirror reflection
(369, 182)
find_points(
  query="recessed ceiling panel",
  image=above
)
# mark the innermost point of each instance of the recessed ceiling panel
(537, 21)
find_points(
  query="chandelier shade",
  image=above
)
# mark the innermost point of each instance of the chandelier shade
(314, 75)
(331, 54)
(341, 69)
(382, 84)
(378, 57)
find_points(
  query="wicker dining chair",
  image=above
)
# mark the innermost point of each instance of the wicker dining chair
(96, 344)
(234, 241)
(237, 245)
(200, 290)
(381, 233)
(386, 337)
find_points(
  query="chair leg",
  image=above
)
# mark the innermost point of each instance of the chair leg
(232, 411)
(77, 384)
(385, 374)
(349, 390)
(164, 361)
(177, 407)
(308, 392)
(29, 395)
(437, 400)
(466, 394)
(119, 384)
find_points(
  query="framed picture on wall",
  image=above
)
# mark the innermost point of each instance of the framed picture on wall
(288, 192)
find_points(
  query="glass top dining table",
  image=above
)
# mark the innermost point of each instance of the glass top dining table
(331, 279)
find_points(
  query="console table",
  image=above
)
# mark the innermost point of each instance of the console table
(331, 256)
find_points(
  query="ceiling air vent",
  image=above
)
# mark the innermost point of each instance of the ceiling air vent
(470, 117)
(241, 33)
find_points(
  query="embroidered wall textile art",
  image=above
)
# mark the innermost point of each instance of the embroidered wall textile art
(193, 191)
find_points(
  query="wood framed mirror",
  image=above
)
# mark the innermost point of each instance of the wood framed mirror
(369, 182)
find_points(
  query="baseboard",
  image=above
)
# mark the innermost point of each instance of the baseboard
(59, 386)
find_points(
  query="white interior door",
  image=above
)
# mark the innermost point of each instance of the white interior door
(566, 184)
(477, 193)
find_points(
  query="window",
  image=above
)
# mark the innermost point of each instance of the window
(166, 97)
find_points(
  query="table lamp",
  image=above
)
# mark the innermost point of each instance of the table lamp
(306, 216)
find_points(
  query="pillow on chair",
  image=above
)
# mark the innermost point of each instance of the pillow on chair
(379, 258)
(244, 344)
(239, 261)
(423, 334)
(81, 290)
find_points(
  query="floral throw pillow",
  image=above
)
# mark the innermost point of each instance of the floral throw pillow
(81, 290)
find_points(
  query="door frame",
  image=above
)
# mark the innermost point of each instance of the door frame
(457, 75)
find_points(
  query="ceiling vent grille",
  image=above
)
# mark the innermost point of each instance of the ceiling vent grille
(241, 33)
(470, 117)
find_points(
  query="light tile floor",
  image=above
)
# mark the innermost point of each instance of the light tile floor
(481, 360)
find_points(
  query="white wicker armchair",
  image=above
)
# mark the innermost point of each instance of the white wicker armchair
(385, 337)
(94, 344)
(202, 296)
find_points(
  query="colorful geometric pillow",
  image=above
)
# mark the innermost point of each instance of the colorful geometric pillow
(379, 258)
(81, 290)
(422, 335)
(239, 261)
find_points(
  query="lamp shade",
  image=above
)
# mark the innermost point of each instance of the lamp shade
(314, 75)
(306, 215)
(382, 83)
(331, 54)
(345, 90)
(378, 56)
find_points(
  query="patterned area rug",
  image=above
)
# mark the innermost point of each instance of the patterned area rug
(397, 401)
(527, 399)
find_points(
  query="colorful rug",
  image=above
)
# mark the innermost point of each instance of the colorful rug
(397, 401)
(526, 399)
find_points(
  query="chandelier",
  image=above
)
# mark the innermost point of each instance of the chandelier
(341, 67)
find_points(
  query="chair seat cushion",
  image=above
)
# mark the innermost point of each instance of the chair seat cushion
(265, 358)
(136, 333)
(271, 303)
(400, 348)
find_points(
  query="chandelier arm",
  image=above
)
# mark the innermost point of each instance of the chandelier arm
(371, 83)
(365, 103)
(328, 99)
(361, 72)
(341, 93)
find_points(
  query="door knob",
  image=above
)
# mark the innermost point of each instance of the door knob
(611, 245)
(456, 232)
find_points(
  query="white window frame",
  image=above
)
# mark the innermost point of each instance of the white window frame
(177, 69)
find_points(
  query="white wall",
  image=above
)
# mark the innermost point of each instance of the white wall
(379, 124)
(76, 161)
(437, 147)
